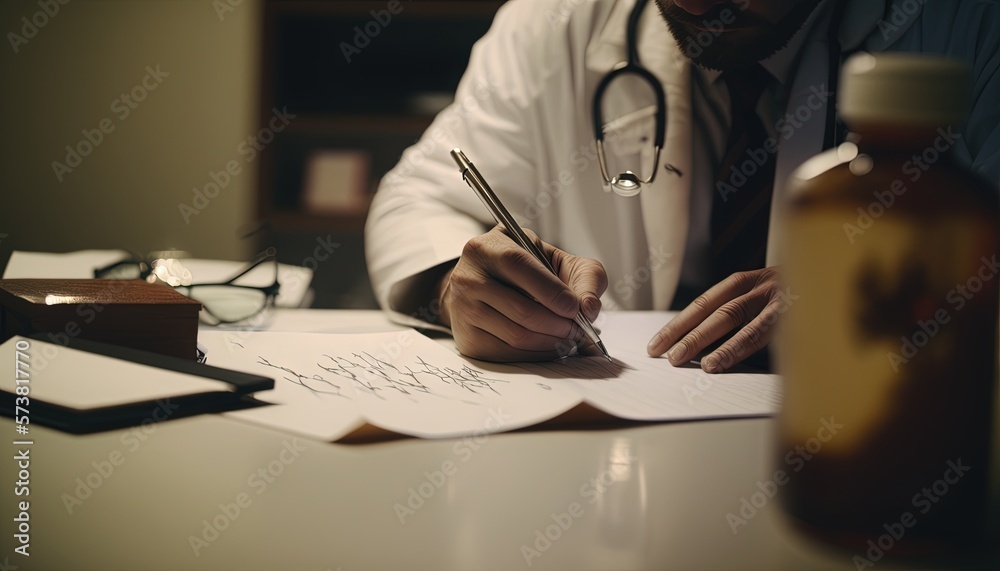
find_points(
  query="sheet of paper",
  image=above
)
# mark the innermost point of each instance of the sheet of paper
(327, 385)
(71, 265)
(294, 280)
(644, 388)
(81, 380)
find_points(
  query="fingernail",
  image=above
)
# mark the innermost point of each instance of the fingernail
(710, 364)
(654, 342)
(675, 354)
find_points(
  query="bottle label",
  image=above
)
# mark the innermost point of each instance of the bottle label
(893, 340)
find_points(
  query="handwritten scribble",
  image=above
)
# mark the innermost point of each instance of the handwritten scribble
(316, 384)
(378, 377)
(384, 379)
(470, 379)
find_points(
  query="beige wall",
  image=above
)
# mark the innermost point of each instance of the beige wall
(125, 194)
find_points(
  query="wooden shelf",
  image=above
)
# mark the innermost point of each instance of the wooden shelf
(375, 98)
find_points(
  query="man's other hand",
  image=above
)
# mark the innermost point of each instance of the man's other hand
(503, 305)
(746, 302)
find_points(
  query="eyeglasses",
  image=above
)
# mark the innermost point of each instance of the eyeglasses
(165, 262)
(222, 303)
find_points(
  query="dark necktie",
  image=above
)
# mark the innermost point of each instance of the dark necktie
(741, 204)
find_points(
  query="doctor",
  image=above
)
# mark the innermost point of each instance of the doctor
(748, 89)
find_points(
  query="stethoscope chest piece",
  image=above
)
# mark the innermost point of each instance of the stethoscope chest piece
(626, 184)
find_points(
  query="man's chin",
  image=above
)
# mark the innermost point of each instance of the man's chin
(729, 52)
(749, 42)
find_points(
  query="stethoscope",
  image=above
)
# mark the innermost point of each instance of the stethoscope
(629, 183)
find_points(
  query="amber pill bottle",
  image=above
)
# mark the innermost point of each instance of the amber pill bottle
(889, 349)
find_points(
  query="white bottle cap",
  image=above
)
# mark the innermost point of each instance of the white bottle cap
(905, 88)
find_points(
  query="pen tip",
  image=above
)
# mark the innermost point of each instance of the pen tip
(605, 351)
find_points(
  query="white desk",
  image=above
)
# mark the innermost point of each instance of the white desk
(669, 488)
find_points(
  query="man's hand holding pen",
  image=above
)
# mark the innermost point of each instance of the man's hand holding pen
(507, 268)
(503, 305)
(512, 297)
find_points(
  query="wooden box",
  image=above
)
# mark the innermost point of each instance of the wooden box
(129, 313)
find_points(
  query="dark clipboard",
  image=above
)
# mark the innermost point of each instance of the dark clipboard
(82, 421)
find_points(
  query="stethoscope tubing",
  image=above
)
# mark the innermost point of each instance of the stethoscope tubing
(632, 66)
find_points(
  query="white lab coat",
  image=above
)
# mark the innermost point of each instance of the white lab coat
(522, 113)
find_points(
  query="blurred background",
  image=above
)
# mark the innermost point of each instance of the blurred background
(152, 124)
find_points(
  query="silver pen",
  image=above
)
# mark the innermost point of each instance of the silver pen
(500, 213)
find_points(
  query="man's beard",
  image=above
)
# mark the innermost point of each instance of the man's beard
(754, 40)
